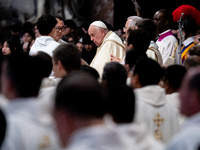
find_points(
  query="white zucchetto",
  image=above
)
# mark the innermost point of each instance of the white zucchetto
(99, 24)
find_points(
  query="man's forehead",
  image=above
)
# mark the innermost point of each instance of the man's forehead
(92, 29)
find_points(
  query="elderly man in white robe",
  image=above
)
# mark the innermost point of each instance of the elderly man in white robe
(108, 43)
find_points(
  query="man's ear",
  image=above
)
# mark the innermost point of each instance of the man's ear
(166, 85)
(60, 66)
(166, 22)
(135, 82)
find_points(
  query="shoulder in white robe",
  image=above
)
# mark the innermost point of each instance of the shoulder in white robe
(153, 110)
(112, 44)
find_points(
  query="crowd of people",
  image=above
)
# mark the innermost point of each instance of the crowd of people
(64, 86)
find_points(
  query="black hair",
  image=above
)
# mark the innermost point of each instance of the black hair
(29, 31)
(60, 18)
(46, 63)
(70, 23)
(81, 95)
(24, 74)
(194, 50)
(148, 25)
(174, 75)
(132, 56)
(114, 73)
(45, 24)
(140, 39)
(86, 39)
(120, 97)
(148, 70)
(69, 56)
(14, 45)
(191, 61)
(91, 70)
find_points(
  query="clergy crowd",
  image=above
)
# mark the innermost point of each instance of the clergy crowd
(88, 87)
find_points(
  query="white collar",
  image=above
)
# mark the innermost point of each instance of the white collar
(165, 32)
(188, 41)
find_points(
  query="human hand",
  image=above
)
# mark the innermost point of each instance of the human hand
(113, 58)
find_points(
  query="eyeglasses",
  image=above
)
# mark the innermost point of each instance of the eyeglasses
(60, 28)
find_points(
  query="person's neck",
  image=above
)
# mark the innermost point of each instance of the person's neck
(164, 30)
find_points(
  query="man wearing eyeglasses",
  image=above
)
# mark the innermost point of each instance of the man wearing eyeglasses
(46, 25)
(59, 30)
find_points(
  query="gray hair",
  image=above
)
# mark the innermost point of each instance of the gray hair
(103, 29)
(133, 20)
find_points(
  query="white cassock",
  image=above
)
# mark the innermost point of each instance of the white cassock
(103, 137)
(45, 44)
(167, 45)
(112, 44)
(136, 134)
(174, 100)
(153, 110)
(154, 53)
(46, 99)
(24, 130)
(188, 138)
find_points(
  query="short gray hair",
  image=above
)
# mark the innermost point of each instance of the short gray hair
(133, 20)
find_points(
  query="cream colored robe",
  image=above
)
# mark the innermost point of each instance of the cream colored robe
(112, 44)
(154, 53)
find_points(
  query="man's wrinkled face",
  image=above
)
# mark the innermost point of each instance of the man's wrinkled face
(96, 35)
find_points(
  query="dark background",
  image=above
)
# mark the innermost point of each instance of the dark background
(125, 8)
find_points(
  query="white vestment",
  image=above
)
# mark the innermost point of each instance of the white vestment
(112, 44)
(24, 129)
(167, 45)
(45, 44)
(46, 99)
(154, 53)
(62, 41)
(135, 134)
(103, 137)
(174, 100)
(188, 138)
(154, 111)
